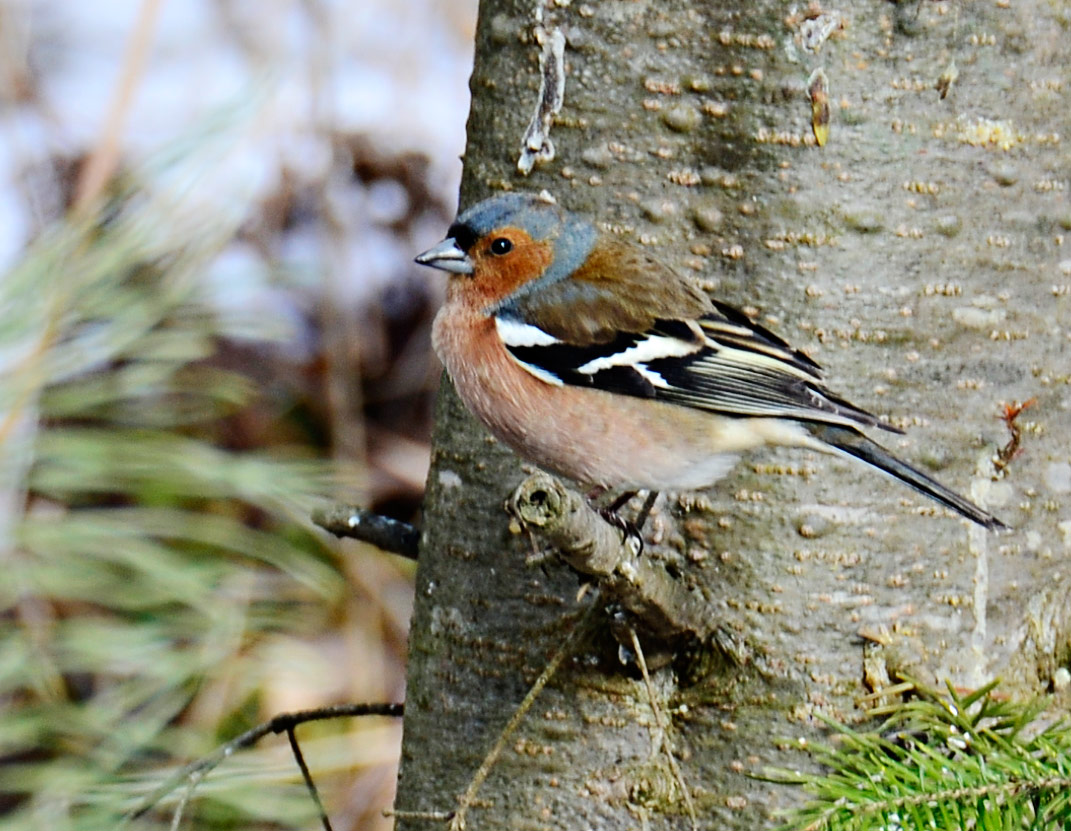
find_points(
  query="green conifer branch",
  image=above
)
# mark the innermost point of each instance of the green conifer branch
(942, 761)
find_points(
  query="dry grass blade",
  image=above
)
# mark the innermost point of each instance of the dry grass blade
(146, 569)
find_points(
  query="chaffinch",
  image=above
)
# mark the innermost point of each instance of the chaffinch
(589, 357)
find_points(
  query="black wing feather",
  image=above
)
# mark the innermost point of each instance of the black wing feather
(722, 363)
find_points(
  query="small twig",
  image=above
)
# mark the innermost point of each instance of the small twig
(384, 533)
(665, 606)
(187, 795)
(465, 802)
(286, 722)
(663, 731)
(427, 816)
(313, 792)
(1012, 449)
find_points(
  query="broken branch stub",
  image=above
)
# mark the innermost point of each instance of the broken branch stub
(662, 604)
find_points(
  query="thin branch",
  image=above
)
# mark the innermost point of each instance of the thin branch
(386, 534)
(663, 729)
(299, 757)
(283, 723)
(663, 605)
(187, 795)
(582, 630)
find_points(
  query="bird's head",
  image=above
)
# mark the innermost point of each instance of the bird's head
(510, 241)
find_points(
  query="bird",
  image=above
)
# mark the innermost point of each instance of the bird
(591, 358)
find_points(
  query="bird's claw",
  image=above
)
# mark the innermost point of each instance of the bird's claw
(630, 533)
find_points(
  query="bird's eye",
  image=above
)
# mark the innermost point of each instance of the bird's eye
(501, 246)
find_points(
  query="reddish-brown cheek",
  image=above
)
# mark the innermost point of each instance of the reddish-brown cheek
(498, 277)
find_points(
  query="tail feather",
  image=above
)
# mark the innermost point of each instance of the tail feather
(854, 443)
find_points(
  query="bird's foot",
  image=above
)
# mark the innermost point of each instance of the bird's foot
(631, 533)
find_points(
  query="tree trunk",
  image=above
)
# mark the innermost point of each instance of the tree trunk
(919, 255)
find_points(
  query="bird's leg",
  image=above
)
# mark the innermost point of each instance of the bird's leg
(620, 502)
(645, 509)
(631, 529)
(610, 514)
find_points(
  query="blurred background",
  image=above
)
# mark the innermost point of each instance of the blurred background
(210, 323)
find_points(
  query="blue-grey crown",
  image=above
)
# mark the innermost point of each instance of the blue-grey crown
(541, 219)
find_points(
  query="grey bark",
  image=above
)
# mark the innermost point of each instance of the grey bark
(921, 255)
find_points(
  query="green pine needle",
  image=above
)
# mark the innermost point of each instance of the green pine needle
(941, 762)
(143, 566)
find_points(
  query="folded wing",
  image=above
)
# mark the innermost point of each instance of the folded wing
(720, 362)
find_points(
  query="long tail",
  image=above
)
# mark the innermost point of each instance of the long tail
(848, 440)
